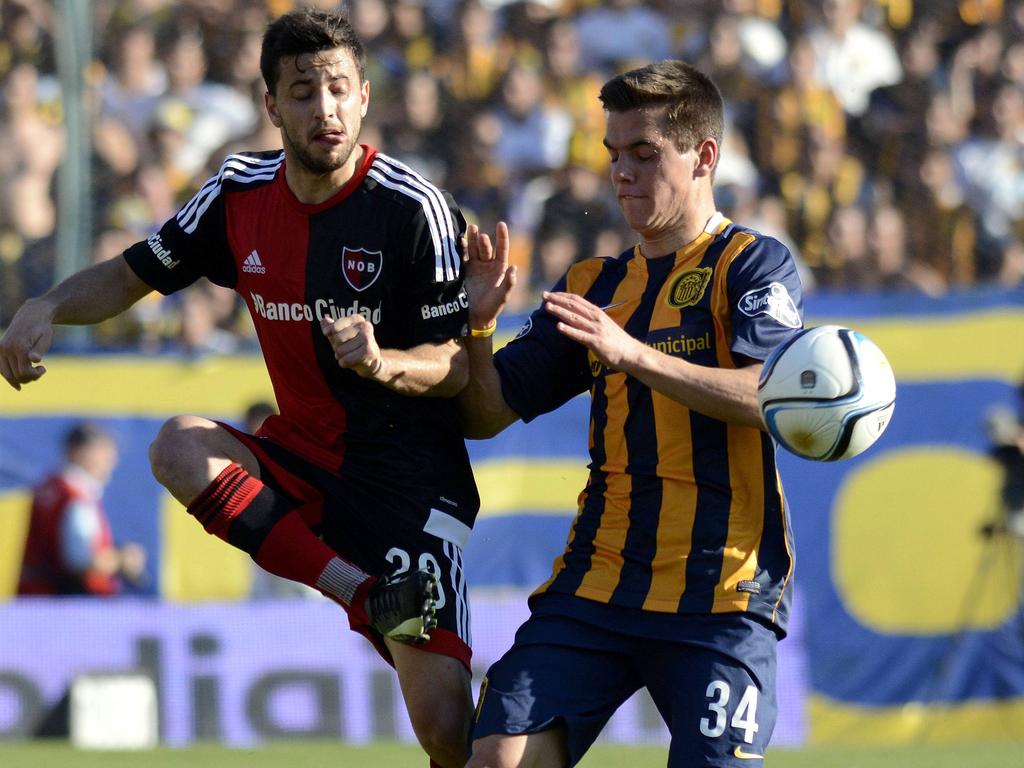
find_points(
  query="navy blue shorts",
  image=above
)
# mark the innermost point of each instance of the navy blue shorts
(715, 687)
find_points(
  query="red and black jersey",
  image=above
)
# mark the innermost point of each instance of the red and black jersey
(385, 246)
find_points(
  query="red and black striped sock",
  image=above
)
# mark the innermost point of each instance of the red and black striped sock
(266, 524)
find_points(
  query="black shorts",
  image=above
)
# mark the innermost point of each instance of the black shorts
(378, 532)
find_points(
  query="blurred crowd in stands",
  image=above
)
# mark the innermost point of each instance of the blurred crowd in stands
(883, 140)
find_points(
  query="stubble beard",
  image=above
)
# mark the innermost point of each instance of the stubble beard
(320, 166)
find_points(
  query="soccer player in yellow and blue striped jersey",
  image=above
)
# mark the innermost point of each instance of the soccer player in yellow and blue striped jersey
(676, 575)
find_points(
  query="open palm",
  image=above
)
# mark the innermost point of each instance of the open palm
(489, 278)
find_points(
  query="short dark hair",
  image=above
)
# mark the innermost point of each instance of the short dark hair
(307, 30)
(85, 433)
(695, 112)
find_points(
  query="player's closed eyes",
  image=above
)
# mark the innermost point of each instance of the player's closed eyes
(614, 156)
(305, 93)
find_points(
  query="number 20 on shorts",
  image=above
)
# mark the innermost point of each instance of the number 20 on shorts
(427, 562)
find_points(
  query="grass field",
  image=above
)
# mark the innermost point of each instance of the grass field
(332, 755)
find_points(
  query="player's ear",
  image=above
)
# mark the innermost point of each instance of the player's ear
(271, 104)
(707, 157)
(364, 98)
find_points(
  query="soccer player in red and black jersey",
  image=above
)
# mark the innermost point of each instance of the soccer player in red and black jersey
(676, 576)
(349, 263)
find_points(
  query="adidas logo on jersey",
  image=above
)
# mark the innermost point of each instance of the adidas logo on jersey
(253, 264)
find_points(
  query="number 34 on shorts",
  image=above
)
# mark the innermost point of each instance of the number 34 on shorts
(744, 715)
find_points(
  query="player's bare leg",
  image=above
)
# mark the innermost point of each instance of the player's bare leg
(217, 479)
(190, 451)
(439, 700)
(545, 749)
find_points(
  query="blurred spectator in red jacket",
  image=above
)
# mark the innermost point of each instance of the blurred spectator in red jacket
(70, 549)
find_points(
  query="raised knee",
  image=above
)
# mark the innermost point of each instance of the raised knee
(179, 455)
(167, 448)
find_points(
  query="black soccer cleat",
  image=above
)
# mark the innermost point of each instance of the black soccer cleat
(403, 606)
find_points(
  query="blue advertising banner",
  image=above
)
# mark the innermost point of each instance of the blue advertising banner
(915, 623)
(243, 673)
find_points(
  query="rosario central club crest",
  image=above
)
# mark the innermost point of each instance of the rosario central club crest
(689, 287)
(361, 267)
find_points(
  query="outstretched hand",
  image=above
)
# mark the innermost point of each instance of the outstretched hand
(23, 345)
(489, 278)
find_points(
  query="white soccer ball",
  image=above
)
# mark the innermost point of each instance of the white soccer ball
(827, 393)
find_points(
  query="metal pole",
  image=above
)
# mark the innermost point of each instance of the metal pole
(73, 38)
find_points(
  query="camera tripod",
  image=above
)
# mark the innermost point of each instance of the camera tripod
(1003, 545)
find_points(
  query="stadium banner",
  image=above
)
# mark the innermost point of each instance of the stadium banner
(243, 673)
(914, 620)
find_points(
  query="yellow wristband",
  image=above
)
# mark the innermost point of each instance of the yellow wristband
(483, 333)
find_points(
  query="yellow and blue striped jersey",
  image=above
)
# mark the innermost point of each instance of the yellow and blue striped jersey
(682, 513)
